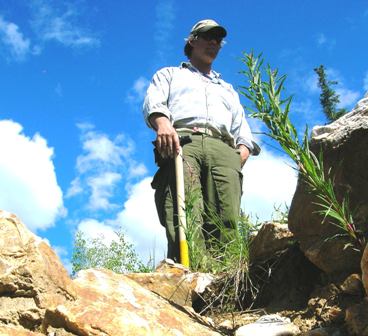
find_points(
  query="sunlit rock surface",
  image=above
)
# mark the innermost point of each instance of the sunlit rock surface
(37, 297)
(344, 146)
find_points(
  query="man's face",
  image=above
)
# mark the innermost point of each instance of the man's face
(206, 47)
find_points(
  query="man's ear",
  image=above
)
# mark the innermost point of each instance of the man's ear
(190, 42)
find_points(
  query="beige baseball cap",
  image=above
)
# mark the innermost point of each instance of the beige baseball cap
(204, 26)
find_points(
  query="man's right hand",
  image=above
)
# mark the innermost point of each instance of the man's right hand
(167, 140)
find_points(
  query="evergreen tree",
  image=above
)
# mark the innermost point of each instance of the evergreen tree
(328, 97)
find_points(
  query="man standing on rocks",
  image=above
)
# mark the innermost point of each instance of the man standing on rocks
(192, 100)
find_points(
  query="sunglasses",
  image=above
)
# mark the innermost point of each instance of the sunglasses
(210, 37)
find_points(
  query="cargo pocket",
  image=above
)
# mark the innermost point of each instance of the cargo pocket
(161, 183)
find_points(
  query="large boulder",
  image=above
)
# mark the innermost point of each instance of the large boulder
(31, 275)
(344, 146)
(270, 239)
(37, 296)
(174, 282)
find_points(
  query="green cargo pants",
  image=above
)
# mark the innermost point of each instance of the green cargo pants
(213, 183)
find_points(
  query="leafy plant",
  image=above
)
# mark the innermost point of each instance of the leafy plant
(328, 97)
(227, 258)
(274, 112)
(118, 256)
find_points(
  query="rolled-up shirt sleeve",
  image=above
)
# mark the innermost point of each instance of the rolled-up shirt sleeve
(240, 128)
(157, 96)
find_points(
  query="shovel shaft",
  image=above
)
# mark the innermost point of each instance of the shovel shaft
(180, 194)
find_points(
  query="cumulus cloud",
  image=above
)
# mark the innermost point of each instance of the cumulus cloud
(101, 167)
(54, 24)
(102, 188)
(136, 94)
(142, 228)
(29, 187)
(12, 38)
(94, 229)
(269, 181)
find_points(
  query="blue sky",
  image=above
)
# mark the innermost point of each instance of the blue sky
(74, 150)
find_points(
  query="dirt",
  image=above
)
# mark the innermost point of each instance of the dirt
(290, 286)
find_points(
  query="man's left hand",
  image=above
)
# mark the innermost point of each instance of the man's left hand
(244, 154)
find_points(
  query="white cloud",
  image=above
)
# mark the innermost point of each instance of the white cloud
(139, 218)
(365, 82)
(93, 229)
(347, 97)
(13, 39)
(102, 166)
(136, 94)
(165, 17)
(311, 83)
(102, 188)
(269, 181)
(27, 177)
(52, 24)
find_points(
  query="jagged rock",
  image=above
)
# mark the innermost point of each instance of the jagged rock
(364, 267)
(38, 297)
(269, 325)
(112, 304)
(352, 285)
(174, 282)
(344, 145)
(357, 318)
(31, 275)
(271, 238)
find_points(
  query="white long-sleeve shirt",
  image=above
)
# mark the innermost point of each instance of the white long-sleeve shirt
(191, 99)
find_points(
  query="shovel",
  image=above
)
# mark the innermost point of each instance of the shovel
(180, 198)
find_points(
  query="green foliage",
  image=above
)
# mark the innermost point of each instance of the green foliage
(118, 256)
(274, 112)
(328, 97)
(225, 254)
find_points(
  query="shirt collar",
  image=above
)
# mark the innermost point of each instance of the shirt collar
(213, 74)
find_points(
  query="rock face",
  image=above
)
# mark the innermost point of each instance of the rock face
(344, 145)
(174, 282)
(364, 266)
(37, 297)
(31, 276)
(271, 238)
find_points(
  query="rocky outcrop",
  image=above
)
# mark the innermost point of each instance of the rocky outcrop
(344, 146)
(174, 282)
(270, 239)
(31, 275)
(37, 297)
